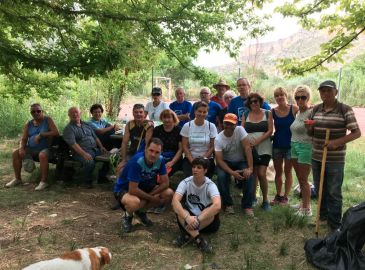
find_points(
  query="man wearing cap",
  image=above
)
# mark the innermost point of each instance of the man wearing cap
(237, 105)
(156, 106)
(33, 146)
(234, 158)
(181, 106)
(213, 107)
(221, 87)
(338, 117)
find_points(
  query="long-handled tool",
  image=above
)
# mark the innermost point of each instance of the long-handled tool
(323, 167)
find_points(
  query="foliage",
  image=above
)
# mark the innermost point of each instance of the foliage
(344, 20)
(90, 38)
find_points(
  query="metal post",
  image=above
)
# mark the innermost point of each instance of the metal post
(339, 84)
(239, 72)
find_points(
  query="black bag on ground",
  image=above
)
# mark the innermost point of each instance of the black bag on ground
(341, 250)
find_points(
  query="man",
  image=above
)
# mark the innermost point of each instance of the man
(137, 187)
(237, 105)
(222, 88)
(33, 145)
(338, 117)
(82, 139)
(213, 107)
(197, 204)
(231, 147)
(181, 107)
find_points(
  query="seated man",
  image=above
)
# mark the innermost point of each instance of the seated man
(103, 128)
(33, 145)
(198, 212)
(231, 148)
(84, 143)
(137, 188)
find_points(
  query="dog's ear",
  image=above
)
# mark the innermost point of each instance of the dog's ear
(104, 256)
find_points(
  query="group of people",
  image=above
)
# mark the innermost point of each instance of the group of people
(234, 137)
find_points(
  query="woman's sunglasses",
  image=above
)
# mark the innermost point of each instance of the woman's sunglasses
(300, 97)
(254, 101)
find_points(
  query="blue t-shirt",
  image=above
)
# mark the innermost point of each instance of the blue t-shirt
(139, 172)
(181, 108)
(33, 131)
(95, 124)
(238, 107)
(213, 111)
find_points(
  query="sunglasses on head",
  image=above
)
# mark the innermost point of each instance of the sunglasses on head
(254, 101)
(35, 111)
(300, 97)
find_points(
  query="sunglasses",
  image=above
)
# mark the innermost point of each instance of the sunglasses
(254, 101)
(301, 97)
(156, 94)
(204, 93)
(35, 111)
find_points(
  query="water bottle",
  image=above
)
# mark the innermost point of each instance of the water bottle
(124, 122)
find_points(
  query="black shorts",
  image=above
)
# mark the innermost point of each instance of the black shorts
(211, 228)
(119, 196)
(263, 160)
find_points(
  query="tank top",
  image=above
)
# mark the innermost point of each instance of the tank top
(298, 130)
(137, 133)
(33, 131)
(282, 135)
(256, 130)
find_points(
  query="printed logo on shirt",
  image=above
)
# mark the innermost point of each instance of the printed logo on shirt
(197, 138)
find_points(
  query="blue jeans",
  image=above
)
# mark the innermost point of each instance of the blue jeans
(331, 206)
(224, 182)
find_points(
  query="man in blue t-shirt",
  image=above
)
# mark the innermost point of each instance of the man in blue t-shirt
(213, 107)
(139, 187)
(181, 107)
(237, 105)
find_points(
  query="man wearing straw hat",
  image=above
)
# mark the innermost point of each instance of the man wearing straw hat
(338, 118)
(221, 87)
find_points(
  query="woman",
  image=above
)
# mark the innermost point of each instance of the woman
(156, 106)
(227, 97)
(103, 128)
(259, 125)
(301, 148)
(283, 116)
(169, 134)
(198, 139)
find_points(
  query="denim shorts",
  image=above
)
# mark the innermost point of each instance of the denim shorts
(302, 152)
(281, 153)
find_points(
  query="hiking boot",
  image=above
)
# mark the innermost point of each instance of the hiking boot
(229, 209)
(248, 212)
(283, 201)
(181, 240)
(127, 223)
(142, 216)
(13, 183)
(276, 200)
(42, 185)
(203, 244)
(265, 206)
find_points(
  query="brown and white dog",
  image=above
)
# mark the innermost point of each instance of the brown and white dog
(80, 259)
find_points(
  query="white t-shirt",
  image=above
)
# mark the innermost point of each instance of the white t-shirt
(197, 198)
(231, 147)
(154, 112)
(199, 136)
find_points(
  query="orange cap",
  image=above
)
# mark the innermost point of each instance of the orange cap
(231, 118)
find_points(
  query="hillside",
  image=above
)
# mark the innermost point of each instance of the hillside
(302, 44)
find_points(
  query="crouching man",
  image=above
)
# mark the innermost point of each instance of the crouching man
(197, 204)
(137, 188)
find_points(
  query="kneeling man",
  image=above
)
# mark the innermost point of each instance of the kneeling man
(197, 204)
(137, 186)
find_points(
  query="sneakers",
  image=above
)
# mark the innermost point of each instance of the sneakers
(142, 216)
(296, 206)
(248, 212)
(203, 244)
(304, 212)
(182, 240)
(276, 200)
(265, 206)
(42, 185)
(229, 209)
(157, 210)
(283, 201)
(127, 223)
(13, 183)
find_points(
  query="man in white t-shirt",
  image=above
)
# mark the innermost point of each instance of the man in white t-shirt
(197, 203)
(233, 155)
(156, 106)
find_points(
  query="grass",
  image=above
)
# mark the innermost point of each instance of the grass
(42, 225)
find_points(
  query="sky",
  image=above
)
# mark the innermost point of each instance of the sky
(283, 27)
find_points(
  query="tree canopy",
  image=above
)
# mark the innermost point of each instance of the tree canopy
(343, 19)
(43, 41)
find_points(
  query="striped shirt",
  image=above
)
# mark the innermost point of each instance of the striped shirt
(340, 119)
